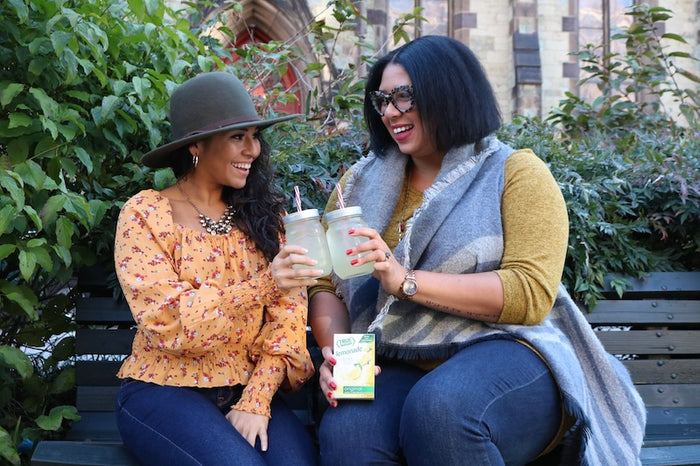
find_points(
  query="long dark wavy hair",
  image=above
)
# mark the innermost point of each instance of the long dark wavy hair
(453, 96)
(259, 204)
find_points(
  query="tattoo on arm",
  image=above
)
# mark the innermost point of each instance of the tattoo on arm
(452, 310)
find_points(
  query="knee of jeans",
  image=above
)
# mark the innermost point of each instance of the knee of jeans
(430, 400)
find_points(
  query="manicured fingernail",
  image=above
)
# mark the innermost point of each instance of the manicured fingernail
(354, 262)
(330, 394)
(333, 385)
(332, 361)
(351, 231)
(348, 252)
(334, 404)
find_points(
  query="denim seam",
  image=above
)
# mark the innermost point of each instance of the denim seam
(126, 412)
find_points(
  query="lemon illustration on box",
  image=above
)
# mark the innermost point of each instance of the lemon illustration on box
(354, 369)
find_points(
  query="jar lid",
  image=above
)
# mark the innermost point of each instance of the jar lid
(347, 211)
(303, 215)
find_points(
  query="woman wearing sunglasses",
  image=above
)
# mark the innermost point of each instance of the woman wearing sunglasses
(483, 356)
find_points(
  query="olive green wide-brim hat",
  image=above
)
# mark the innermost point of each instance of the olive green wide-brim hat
(205, 105)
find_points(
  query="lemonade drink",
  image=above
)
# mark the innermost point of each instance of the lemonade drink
(354, 368)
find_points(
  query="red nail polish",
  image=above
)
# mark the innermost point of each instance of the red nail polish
(351, 231)
(330, 394)
(348, 252)
(333, 385)
(332, 360)
(354, 262)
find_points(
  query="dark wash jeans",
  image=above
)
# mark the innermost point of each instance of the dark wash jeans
(178, 426)
(493, 403)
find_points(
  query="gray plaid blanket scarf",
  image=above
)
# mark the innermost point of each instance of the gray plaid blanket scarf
(458, 230)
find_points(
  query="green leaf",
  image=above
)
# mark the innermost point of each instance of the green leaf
(7, 447)
(48, 105)
(19, 120)
(64, 232)
(6, 250)
(27, 264)
(85, 158)
(64, 382)
(59, 40)
(54, 419)
(17, 360)
(64, 253)
(109, 104)
(49, 211)
(7, 213)
(22, 295)
(21, 10)
(9, 91)
(43, 258)
(34, 216)
(10, 182)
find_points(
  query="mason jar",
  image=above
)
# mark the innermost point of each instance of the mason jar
(340, 222)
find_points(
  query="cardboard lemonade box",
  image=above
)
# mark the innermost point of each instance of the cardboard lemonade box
(354, 369)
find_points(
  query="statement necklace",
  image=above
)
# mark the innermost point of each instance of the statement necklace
(214, 227)
(402, 221)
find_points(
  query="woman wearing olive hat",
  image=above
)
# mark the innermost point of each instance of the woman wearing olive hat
(215, 337)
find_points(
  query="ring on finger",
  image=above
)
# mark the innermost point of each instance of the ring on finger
(387, 255)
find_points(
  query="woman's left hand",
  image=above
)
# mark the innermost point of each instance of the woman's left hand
(386, 268)
(250, 426)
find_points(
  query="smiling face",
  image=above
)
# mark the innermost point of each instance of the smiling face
(405, 127)
(226, 157)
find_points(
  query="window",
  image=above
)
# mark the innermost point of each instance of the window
(434, 11)
(599, 21)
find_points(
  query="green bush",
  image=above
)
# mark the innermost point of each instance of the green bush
(628, 168)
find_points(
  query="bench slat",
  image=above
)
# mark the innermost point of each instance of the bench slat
(102, 341)
(95, 427)
(96, 398)
(677, 455)
(653, 311)
(89, 373)
(81, 453)
(677, 285)
(661, 416)
(664, 370)
(98, 310)
(664, 342)
(670, 395)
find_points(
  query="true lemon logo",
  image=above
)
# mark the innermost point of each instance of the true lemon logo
(346, 342)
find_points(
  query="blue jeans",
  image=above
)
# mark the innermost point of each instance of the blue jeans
(492, 403)
(177, 426)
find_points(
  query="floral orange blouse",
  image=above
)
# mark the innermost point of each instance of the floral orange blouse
(207, 310)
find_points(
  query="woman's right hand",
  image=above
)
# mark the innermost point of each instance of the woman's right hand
(287, 277)
(325, 375)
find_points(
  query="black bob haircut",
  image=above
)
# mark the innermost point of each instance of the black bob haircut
(453, 96)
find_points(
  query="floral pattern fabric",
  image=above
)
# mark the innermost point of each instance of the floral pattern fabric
(207, 310)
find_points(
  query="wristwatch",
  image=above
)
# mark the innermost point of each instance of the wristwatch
(409, 287)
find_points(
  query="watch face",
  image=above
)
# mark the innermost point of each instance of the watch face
(410, 287)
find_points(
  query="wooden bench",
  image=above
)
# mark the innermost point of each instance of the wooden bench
(661, 349)
(103, 339)
(661, 314)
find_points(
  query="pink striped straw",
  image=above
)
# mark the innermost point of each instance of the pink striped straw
(341, 203)
(297, 197)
